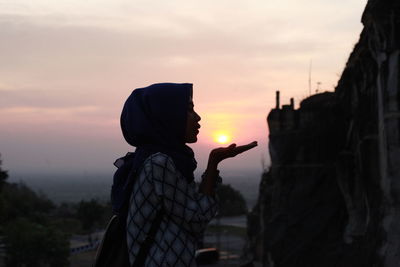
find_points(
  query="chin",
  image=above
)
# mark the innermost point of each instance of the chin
(192, 140)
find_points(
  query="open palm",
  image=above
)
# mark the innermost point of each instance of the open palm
(219, 154)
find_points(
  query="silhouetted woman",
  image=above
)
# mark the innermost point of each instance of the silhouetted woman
(166, 211)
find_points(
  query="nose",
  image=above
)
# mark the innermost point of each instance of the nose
(198, 117)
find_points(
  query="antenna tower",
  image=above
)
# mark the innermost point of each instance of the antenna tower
(309, 78)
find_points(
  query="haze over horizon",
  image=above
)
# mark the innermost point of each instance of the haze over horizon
(68, 66)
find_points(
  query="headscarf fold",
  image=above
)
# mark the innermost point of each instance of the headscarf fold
(153, 120)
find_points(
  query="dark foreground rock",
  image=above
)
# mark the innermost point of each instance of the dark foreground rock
(332, 194)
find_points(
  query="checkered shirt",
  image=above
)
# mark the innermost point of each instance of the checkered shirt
(186, 214)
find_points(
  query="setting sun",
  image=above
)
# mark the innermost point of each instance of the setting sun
(222, 138)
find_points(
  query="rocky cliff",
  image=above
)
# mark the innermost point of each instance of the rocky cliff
(332, 194)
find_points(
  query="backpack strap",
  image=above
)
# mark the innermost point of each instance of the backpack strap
(145, 247)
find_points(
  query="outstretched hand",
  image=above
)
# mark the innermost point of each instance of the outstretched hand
(219, 154)
(216, 156)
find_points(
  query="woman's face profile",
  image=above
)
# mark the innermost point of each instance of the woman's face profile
(192, 124)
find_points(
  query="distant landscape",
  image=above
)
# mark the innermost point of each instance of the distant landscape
(75, 187)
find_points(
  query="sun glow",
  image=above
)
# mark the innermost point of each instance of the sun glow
(222, 138)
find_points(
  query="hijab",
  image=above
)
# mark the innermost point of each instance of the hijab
(153, 120)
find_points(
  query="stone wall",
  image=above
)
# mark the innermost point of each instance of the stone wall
(332, 194)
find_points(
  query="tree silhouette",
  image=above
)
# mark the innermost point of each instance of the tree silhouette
(3, 175)
(26, 227)
(91, 214)
(232, 202)
(33, 244)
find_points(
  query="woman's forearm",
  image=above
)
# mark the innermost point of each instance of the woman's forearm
(207, 185)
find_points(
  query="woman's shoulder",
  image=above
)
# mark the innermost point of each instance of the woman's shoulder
(160, 159)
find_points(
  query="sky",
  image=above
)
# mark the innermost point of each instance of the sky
(67, 66)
